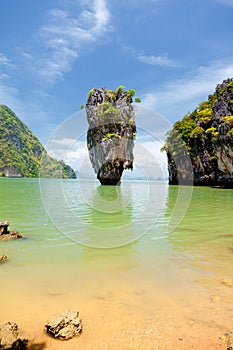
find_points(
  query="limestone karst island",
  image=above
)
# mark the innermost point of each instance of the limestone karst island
(111, 132)
(205, 137)
(22, 154)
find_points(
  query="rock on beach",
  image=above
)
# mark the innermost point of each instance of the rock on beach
(65, 326)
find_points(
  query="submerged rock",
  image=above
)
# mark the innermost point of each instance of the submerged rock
(65, 326)
(11, 338)
(111, 133)
(206, 135)
(6, 234)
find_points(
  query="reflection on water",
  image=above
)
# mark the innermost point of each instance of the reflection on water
(157, 266)
(108, 218)
(103, 216)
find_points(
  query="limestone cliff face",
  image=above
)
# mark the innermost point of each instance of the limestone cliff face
(223, 122)
(207, 135)
(110, 134)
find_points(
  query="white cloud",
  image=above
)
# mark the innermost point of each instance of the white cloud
(66, 35)
(184, 93)
(4, 60)
(75, 158)
(148, 156)
(65, 142)
(70, 150)
(157, 60)
(149, 162)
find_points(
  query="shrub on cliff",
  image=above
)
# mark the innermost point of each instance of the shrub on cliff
(206, 133)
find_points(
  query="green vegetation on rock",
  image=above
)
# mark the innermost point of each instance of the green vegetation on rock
(112, 95)
(205, 135)
(111, 132)
(107, 113)
(196, 126)
(21, 152)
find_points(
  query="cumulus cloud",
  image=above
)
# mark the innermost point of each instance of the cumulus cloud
(70, 150)
(150, 160)
(65, 35)
(75, 158)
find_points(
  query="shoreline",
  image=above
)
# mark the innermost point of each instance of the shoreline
(114, 319)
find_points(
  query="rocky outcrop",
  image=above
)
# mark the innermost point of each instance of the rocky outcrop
(6, 234)
(111, 133)
(206, 135)
(11, 338)
(65, 326)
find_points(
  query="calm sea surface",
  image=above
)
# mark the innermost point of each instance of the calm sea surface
(141, 248)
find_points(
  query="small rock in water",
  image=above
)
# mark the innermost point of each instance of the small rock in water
(15, 234)
(10, 338)
(65, 326)
(3, 258)
(6, 234)
(4, 227)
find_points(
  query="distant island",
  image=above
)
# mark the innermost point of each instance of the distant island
(206, 135)
(21, 153)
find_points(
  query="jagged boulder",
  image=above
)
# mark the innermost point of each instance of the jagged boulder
(11, 338)
(65, 326)
(4, 227)
(111, 133)
(6, 234)
(3, 258)
(206, 136)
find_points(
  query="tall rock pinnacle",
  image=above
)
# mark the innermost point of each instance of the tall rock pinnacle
(111, 133)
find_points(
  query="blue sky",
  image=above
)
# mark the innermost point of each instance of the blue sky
(52, 52)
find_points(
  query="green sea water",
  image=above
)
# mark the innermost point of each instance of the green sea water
(143, 244)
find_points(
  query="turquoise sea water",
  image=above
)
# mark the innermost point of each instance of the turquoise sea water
(143, 244)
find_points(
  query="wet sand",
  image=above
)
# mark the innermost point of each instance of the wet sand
(127, 316)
